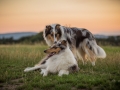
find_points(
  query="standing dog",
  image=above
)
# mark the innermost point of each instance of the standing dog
(60, 60)
(81, 41)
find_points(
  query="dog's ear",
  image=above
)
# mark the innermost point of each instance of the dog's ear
(48, 27)
(64, 42)
(57, 26)
(47, 30)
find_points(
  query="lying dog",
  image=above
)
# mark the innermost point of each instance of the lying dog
(81, 41)
(60, 60)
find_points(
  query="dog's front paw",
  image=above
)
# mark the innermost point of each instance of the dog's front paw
(45, 73)
(27, 69)
(42, 71)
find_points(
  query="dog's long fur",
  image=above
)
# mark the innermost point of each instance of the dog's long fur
(61, 62)
(81, 41)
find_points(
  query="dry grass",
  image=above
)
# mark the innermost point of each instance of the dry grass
(15, 58)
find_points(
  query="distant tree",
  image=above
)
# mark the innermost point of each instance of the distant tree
(32, 39)
(38, 38)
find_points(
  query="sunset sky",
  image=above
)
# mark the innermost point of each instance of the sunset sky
(98, 16)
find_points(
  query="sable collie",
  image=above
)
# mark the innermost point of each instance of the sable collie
(60, 60)
(81, 41)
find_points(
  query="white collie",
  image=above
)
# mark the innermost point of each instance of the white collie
(81, 41)
(60, 60)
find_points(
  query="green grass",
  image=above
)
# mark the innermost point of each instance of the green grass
(105, 75)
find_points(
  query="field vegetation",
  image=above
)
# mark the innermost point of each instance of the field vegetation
(105, 75)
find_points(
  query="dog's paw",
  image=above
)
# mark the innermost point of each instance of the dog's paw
(27, 69)
(60, 75)
(93, 63)
(44, 75)
(42, 71)
(63, 72)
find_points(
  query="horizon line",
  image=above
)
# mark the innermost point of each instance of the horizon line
(105, 34)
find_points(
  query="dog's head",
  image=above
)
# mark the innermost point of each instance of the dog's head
(53, 32)
(56, 48)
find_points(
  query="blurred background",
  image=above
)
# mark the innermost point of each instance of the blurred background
(22, 21)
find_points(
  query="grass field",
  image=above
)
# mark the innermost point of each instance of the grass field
(15, 58)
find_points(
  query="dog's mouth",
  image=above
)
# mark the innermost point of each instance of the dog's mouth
(51, 54)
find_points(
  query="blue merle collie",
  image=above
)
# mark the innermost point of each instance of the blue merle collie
(81, 41)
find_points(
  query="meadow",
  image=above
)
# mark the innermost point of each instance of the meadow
(105, 75)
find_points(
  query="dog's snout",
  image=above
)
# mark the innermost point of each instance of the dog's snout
(55, 42)
(45, 51)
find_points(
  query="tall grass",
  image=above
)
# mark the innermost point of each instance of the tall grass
(15, 58)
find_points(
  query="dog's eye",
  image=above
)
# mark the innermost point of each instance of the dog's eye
(55, 47)
(59, 44)
(55, 35)
(51, 34)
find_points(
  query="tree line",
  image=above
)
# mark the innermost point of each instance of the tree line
(38, 38)
(111, 40)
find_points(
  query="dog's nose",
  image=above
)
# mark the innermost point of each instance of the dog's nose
(55, 42)
(45, 51)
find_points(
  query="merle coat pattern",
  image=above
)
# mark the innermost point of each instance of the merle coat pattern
(81, 41)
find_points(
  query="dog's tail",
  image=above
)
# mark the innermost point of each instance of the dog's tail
(91, 48)
(100, 52)
(34, 68)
